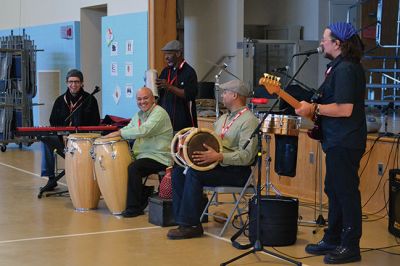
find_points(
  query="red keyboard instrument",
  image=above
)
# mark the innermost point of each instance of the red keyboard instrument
(49, 131)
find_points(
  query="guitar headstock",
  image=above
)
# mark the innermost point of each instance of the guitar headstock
(271, 83)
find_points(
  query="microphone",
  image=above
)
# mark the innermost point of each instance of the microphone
(280, 69)
(318, 50)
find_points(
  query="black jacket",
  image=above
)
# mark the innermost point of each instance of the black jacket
(85, 115)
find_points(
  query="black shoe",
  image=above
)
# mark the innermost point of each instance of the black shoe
(129, 213)
(321, 248)
(185, 232)
(342, 255)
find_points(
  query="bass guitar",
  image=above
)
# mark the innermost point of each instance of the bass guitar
(272, 84)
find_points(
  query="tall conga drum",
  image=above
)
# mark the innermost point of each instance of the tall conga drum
(111, 160)
(79, 172)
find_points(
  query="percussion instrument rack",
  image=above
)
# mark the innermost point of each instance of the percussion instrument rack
(18, 86)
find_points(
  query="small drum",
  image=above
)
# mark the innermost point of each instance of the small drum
(82, 186)
(282, 125)
(111, 160)
(191, 139)
(150, 81)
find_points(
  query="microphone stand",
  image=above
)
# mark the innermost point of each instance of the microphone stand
(258, 246)
(96, 90)
(320, 220)
(216, 86)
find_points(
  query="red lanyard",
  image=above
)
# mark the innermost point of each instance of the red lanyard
(71, 106)
(171, 82)
(225, 129)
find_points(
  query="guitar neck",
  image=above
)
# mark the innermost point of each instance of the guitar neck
(289, 99)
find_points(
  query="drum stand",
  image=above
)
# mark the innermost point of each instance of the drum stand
(268, 184)
(57, 177)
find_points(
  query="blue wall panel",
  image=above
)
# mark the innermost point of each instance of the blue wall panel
(124, 27)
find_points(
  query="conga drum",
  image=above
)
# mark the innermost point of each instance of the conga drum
(82, 186)
(191, 139)
(111, 160)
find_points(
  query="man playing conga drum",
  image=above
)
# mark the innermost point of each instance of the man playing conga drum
(234, 128)
(152, 131)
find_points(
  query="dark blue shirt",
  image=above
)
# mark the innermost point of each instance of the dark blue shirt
(344, 83)
(182, 111)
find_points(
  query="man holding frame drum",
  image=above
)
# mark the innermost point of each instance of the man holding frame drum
(234, 128)
(152, 131)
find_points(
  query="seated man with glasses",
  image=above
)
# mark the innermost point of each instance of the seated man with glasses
(73, 108)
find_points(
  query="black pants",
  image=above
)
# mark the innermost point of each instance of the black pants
(341, 187)
(136, 171)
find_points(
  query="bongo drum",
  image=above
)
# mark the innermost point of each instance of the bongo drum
(111, 160)
(282, 125)
(82, 186)
(191, 139)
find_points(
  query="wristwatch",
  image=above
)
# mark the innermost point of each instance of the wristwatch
(317, 113)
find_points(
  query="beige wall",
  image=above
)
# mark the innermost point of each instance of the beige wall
(41, 12)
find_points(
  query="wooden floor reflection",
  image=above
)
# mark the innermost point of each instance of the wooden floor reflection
(48, 231)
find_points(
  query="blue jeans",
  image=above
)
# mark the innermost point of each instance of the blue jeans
(49, 144)
(187, 190)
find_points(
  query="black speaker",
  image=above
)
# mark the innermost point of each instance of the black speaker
(394, 202)
(205, 90)
(286, 155)
(278, 220)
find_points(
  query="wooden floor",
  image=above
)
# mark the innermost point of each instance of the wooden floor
(48, 231)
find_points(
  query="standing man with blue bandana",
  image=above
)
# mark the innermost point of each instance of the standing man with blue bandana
(340, 110)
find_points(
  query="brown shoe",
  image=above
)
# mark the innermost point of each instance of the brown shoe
(185, 232)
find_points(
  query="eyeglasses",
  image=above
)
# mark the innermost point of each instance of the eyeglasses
(70, 82)
(329, 39)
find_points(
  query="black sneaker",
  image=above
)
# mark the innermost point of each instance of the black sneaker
(343, 255)
(129, 213)
(321, 248)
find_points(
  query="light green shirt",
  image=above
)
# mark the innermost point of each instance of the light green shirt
(152, 135)
(236, 136)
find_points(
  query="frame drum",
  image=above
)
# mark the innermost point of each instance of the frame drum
(191, 139)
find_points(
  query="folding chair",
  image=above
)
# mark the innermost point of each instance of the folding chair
(248, 188)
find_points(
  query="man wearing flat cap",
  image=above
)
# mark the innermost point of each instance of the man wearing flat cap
(341, 116)
(177, 85)
(234, 168)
